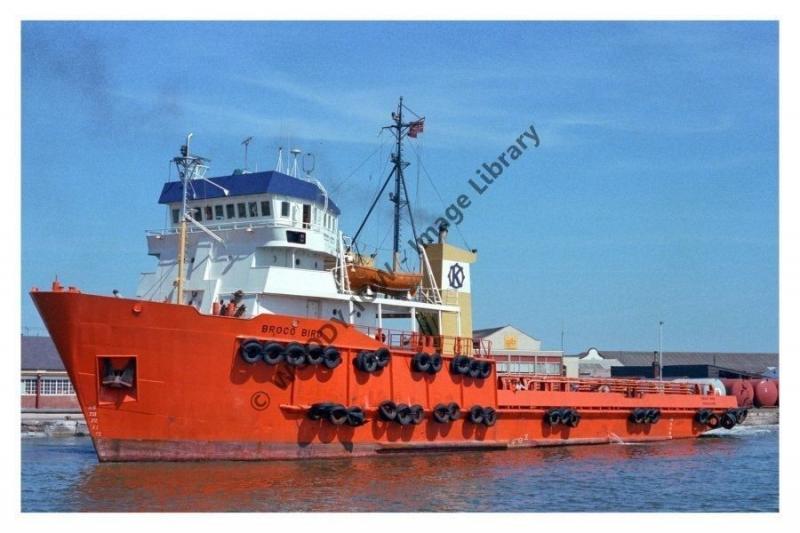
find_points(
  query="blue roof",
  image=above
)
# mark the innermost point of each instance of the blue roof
(243, 184)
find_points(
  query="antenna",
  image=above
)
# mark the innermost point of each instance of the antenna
(279, 164)
(295, 152)
(246, 143)
(308, 172)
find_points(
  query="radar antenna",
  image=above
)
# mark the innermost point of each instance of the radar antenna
(246, 143)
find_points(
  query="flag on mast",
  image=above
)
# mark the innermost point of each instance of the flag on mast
(416, 127)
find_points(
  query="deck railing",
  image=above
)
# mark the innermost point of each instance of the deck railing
(630, 387)
(417, 342)
(216, 226)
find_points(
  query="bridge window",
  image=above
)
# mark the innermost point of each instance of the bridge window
(284, 209)
(252, 208)
(241, 210)
(265, 210)
(197, 214)
(209, 213)
(218, 214)
(176, 216)
(229, 211)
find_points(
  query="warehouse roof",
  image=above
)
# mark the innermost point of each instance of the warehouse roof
(39, 353)
(478, 333)
(754, 362)
(486, 332)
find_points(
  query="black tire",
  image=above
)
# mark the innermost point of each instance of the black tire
(251, 351)
(566, 416)
(474, 368)
(421, 362)
(638, 416)
(337, 415)
(366, 362)
(417, 414)
(273, 353)
(454, 411)
(728, 420)
(315, 354)
(650, 416)
(387, 410)
(486, 369)
(741, 416)
(441, 413)
(701, 417)
(553, 417)
(320, 410)
(656, 417)
(489, 416)
(382, 356)
(575, 419)
(355, 416)
(713, 421)
(331, 358)
(436, 363)
(460, 365)
(404, 414)
(476, 414)
(295, 354)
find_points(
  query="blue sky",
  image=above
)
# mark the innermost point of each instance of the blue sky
(653, 195)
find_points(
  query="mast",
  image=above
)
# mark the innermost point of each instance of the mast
(399, 197)
(188, 166)
(397, 159)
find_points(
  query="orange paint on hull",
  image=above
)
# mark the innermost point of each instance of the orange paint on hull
(196, 399)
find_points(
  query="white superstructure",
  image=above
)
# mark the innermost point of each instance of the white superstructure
(276, 238)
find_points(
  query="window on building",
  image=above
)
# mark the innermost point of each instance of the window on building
(176, 216)
(252, 209)
(197, 214)
(241, 210)
(218, 214)
(48, 387)
(28, 386)
(209, 213)
(284, 209)
(229, 210)
(265, 209)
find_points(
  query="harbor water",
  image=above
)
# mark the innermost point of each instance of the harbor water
(729, 471)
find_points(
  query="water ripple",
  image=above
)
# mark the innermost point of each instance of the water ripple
(727, 471)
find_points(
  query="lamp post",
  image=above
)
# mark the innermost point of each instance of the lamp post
(660, 352)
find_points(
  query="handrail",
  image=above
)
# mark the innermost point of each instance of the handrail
(629, 387)
(414, 341)
(250, 224)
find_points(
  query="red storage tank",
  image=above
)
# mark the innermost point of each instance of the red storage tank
(742, 389)
(765, 393)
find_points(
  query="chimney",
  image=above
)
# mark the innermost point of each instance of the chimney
(443, 232)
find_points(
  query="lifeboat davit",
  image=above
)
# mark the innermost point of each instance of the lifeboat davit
(363, 276)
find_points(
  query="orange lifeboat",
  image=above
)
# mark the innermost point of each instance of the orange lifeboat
(363, 276)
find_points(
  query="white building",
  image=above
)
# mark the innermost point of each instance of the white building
(518, 352)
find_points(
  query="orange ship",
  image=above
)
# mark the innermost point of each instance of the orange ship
(251, 342)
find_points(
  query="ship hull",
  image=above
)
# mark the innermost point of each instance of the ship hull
(193, 397)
